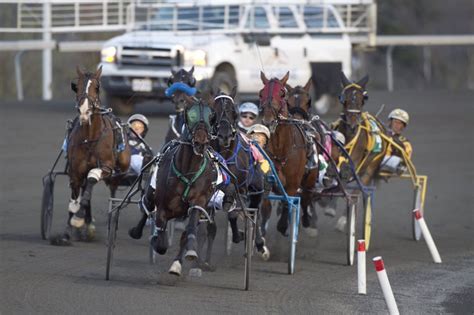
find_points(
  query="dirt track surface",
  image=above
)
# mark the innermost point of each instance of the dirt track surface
(36, 277)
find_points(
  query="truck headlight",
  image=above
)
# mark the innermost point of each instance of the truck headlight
(195, 57)
(108, 54)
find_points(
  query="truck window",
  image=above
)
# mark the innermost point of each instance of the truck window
(285, 17)
(314, 17)
(259, 19)
(213, 17)
(188, 19)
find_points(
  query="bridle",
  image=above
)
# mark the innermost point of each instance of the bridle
(297, 109)
(224, 117)
(353, 100)
(267, 96)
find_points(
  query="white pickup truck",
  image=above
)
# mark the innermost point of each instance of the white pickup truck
(229, 43)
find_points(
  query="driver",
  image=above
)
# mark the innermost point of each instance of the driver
(139, 151)
(393, 161)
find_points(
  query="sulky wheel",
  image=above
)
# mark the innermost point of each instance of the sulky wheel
(351, 231)
(47, 205)
(112, 224)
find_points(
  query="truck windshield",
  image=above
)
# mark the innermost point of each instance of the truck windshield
(314, 17)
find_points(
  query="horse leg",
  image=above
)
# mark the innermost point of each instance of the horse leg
(74, 205)
(147, 205)
(282, 224)
(262, 249)
(229, 198)
(93, 178)
(211, 235)
(159, 242)
(266, 211)
(191, 229)
(201, 240)
(176, 266)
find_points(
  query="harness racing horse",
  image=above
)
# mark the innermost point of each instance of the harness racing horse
(360, 130)
(288, 149)
(299, 106)
(180, 83)
(184, 181)
(91, 152)
(235, 148)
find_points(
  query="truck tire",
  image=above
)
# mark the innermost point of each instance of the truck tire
(120, 105)
(223, 81)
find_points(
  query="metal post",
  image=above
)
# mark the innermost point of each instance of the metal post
(18, 80)
(389, 58)
(47, 53)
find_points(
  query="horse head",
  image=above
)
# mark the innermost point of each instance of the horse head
(226, 117)
(181, 83)
(199, 120)
(272, 100)
(299, 100)
(352, 98)
(87, 90)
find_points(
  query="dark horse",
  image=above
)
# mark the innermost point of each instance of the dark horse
(177, 93)
(184, 182)
(236, 150)
(92, 152)
(360, 129)
(288, 149)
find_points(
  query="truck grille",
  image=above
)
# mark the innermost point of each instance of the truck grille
(149, 57)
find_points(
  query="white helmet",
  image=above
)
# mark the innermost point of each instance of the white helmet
(248, 107)
(258, 128)
(399, 114)
(140, 118)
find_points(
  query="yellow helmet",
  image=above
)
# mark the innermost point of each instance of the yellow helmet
(399, 114)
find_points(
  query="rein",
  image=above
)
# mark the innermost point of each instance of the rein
(189, 182)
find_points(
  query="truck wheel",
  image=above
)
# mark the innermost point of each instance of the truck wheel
(223, 81)
(120, 105)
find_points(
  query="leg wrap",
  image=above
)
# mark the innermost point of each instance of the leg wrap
(95, 173)
(74, 205)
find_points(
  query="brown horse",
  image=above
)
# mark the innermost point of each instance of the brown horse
(359, 128)
(288, 148)
(91, 152)
(179, 100)
(299, 106)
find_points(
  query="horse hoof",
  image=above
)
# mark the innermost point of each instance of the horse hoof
(135, 233)
(341, 224)
(265, 253)
(205, 266)
(191, 255)
(312, 232)
(195, 272)
(77, 222)
(175, 268)
(60, 240)
(282, 227)
(330, 212)
(90, 233)
(237, 238)
(305, 220)
(158, 246)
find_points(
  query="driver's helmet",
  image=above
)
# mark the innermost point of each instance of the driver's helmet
(141, 118)
(258, 128)
(399, 114)
(248, 107)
